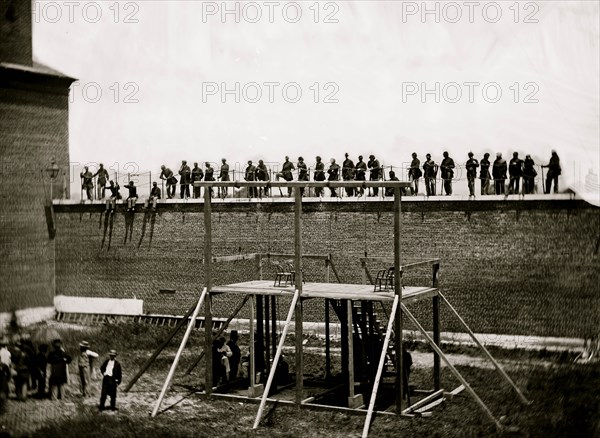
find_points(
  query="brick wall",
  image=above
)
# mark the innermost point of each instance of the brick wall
(509, 267)
(33, 130)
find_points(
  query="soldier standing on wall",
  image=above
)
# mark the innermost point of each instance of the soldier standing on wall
(515, 171)
(87, 183)
(250, 175)
(262, 174)
(302, 173)
(167, 175)
(334, 175)
(499, 173)
(319, 175)
(360, 173)
(102, 175)
(447, 167)
(529, 174)
(197, 175)
(484, 174)
(414, 172)
(375, 174)
(209, 175)
(554, 171)
(348, 174)
(286, 172)
(186, 175)
(224, 176)
(430, 171)
(471, 166)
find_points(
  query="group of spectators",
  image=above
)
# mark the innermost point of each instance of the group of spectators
(31, 371)
(493, 176)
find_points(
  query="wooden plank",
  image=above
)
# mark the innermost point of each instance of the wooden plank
(454, 392)
(304, 184)
(398, 291)
(430, 405)
(276, 360)
(291, 256)
(208, 374)
(232, 258)
(423, 401)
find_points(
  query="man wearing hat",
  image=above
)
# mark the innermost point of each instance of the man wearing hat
(85, 357)
(375, 174)
(58, 360)
(111, 372)
(348, 173)
(359, 173)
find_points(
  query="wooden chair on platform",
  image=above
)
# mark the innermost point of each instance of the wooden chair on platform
(283, 274)
(290, 266)
(384, 280)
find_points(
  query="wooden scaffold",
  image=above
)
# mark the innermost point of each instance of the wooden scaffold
(363, 370)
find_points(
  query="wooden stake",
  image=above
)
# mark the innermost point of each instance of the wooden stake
(398, 291)
(299, 316)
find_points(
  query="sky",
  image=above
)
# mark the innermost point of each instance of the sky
(363, 69)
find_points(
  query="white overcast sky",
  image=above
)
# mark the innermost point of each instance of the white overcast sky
(369, 54)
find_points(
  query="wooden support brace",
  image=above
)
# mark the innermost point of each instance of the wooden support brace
(423, 401)
(485, 351)
(454, 371)
(428, 407)
(276, 359)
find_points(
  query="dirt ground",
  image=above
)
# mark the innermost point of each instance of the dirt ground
(565, 400)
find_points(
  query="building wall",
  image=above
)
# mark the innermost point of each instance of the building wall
(33, 130)
(508, 267)
(15, 31)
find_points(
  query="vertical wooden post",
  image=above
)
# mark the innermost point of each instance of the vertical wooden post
(327, 342)
(299, 316)
(260, 333)
(252, 352)
(274, 324)
(267, 331)
(436, 328)
(208, 284)
(344, 333)
(363, 265)
(398, 291)
(260, 266)
(327, 263)
(350, 342)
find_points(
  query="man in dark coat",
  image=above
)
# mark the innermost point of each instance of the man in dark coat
(40, 363)
(499, 173)
(554, 171)
(334, 175)
(414, 172)
(236, 355)
(515, 171)
(209, 176)
(286, 172)
(484, 174)
(132, 198)
(390, 191)
(471, 166)
(430, 171)
(87, 182)
(447, 167)
(58, 360)
(154, 196)
(302, 173)
(102, 175)
(262, 174)
(197, 175)
(250, 176)
(112, 374)
(360, 171)
(529, 174)
(375, 174)
(224, 176)
(319, 176)
(348, 174)
(185, 179)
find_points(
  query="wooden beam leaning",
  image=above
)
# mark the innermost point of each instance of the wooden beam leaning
(386, 343)
(454, 371)
(288, 320)
(435, 302)
(486, 352)
(179, 351)
(150, 360)
(219, 332)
